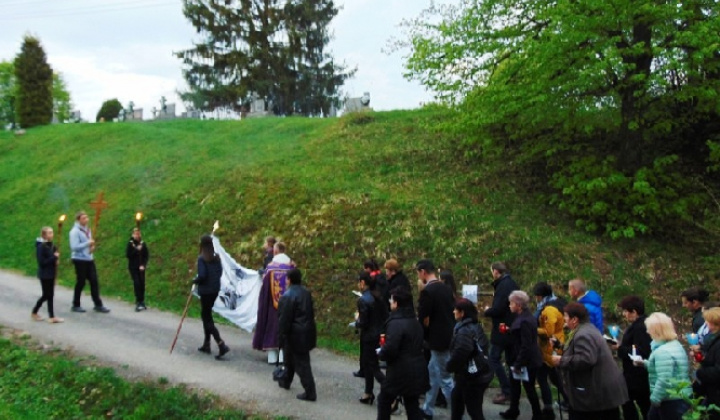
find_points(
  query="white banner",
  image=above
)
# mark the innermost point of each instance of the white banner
(239, 291)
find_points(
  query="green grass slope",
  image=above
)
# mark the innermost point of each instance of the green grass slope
(336, 190)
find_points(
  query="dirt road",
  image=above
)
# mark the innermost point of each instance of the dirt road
(138, 344)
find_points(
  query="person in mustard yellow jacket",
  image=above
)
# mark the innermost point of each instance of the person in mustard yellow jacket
(551, 337)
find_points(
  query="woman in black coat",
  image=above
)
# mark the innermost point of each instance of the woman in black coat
(406, 375)
(707, 383)
(209, 271)
(469, 389)
(636, 377)
(371, 316)
(525, 356)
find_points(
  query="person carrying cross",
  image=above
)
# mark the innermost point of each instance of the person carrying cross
(82, 246)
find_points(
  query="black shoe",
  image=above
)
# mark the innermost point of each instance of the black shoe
(369, 400)
(205, 348)
(305, 397)
(222, 350)
(548, 414)
(509, 415)
(358, 374)
(101, 309)
(78, 309)
(283, 385)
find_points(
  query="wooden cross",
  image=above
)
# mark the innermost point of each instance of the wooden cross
(99, 205)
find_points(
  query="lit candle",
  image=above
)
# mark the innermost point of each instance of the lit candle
(693, 339)
(138, 219)
(634, 351)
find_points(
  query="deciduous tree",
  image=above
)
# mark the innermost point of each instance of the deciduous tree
(630, 86)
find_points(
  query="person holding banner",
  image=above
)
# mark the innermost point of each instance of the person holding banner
(209, 271)
(273, 286)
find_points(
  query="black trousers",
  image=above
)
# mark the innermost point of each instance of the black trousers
(206, 314)
(546, 372)
(641, 397)
(48, 293)
(467, 397)
(530, 393)
(85, 271)
(412, 406)
(138, 278)
(611, 414)
(299, 361)
(370, 365)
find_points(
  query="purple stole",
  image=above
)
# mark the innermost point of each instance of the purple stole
(273, 286)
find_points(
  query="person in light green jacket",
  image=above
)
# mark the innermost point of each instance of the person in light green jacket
(667, 368)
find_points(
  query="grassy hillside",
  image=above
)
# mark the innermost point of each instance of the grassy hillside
(336, 190)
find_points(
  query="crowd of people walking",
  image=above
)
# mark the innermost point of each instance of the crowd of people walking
(435, 350)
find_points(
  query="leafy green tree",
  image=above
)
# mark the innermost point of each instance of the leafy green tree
(274, 49)
(62, 104)
(628, 85)
(33, 104)
(7, 94)
(109, 110)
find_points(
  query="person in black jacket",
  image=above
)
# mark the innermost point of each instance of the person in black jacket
(297, 335)
(47, 258)
(525, 356)
(396, 278)
(406, 375)
(500, 314)
(371, 316)
(209, 271)
(707, 383)
(693, 300)
(137, 255)
(435, 313)
(636, 377)
(469, 389)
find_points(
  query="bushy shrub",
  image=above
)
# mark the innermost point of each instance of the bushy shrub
(109, 110)
(602, 198)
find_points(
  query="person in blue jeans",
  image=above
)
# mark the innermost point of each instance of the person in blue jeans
(435, 313)
(500, 341)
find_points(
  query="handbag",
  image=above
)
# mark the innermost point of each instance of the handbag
(478, 365)
(279, 371)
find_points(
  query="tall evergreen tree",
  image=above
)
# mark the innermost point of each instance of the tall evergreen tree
(273, 49)
(34, 102)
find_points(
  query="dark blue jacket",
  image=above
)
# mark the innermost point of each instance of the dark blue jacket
(296, 320)
(593, 303)
(372, 315)
(208, 276)
(500, 309)
(47, 261)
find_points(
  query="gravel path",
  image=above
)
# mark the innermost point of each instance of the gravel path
(139, 343)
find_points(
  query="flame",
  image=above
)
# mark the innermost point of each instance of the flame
(138, 216)
(216, 225)
(62, 218)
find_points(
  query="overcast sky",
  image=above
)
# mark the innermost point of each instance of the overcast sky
(123, 49)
